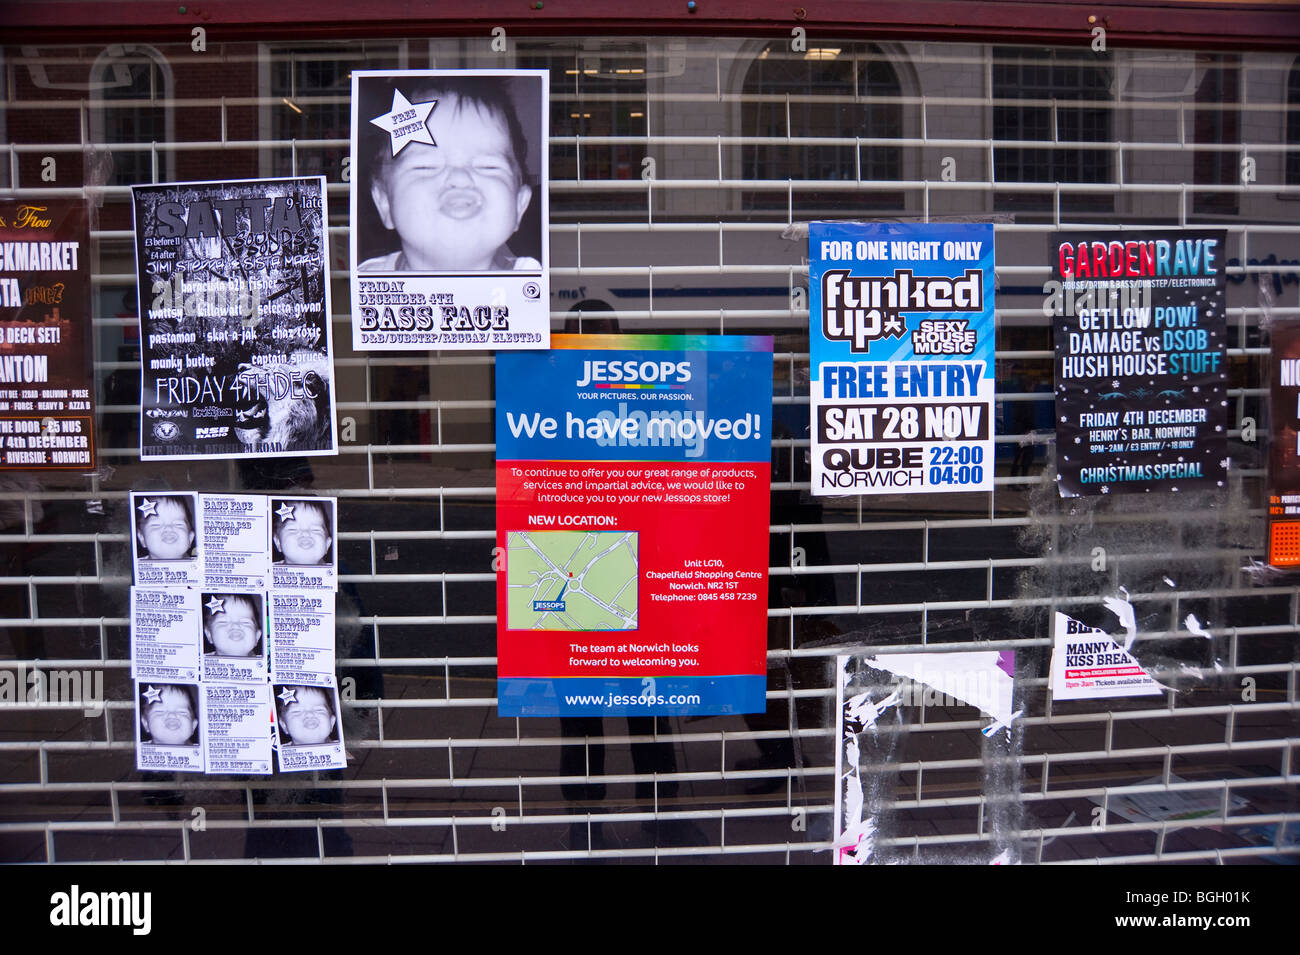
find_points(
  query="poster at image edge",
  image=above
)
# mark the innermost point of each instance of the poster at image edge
(47, 383)
(1284, 445)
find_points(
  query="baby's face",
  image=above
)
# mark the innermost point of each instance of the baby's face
(235, 631)
(167, 534)
(170, 721)
(309, 720)
(304, 538)
(455, 204)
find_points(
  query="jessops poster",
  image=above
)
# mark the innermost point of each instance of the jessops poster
(47, 391)
(237, 360)
(449, 210)
(1141, 374)
(902, 344)
(633, 474)
(1284, 445)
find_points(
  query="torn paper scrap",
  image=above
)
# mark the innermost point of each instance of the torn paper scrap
(993, 727)
(1122, 609)
(982, 678)
(1088, 664)
(862, 709)
(855, 829)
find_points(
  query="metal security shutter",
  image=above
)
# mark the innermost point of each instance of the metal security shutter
(683, 171)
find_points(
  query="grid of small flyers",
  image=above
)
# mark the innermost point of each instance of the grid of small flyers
(224, 585)
(683, 173)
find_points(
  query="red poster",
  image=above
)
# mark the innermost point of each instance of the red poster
(47, 392)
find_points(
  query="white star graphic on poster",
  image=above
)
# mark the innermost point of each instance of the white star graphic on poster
(153, 695)
(147, 508)
(288, 695)
(406, 122)
(284, 512)
(216, 605)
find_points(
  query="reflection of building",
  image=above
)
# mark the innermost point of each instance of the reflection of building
(683, 166)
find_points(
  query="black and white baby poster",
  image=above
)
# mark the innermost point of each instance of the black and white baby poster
(236, 728)
(168, 731)
(310, 734)
(236, 354)
(164, 634)
(1141, 370)
(449, 210)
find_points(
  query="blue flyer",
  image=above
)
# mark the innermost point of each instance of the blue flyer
(902, 342)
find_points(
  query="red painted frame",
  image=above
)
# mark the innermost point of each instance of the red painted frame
(1205, 24)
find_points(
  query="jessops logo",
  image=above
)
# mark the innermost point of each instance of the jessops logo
(860, 309)
(77, 908)
(635, 373)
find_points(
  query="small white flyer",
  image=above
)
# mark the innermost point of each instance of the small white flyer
(164, 541)
(310, 733)
(302, 637)
(1087, 664)
(235, 540)
(302, 543)
(164, 634)
(237, 728)
(167, 729)
(234, 632)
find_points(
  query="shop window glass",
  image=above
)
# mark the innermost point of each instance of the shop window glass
(819, 94)
(1217, 123)
(1058, 97)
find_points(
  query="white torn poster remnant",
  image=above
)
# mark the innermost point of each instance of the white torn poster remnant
(856, 830)
(993, 727)
(1088, 664)
(983, 679)
(1194, 626)
(1122, 609)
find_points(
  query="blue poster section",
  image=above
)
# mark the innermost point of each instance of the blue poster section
(902, 339)
(700, 403)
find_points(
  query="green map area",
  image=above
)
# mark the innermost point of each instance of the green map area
(572, 580)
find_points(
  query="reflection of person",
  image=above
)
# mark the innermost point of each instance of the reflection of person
(232, 624)
(167, 714)
(301, 531)
(454, 205)
(306, 715)
(164, 529)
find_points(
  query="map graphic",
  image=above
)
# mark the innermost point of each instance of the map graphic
(572, 580)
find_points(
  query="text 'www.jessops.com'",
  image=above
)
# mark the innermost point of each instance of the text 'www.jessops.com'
(628, 699)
